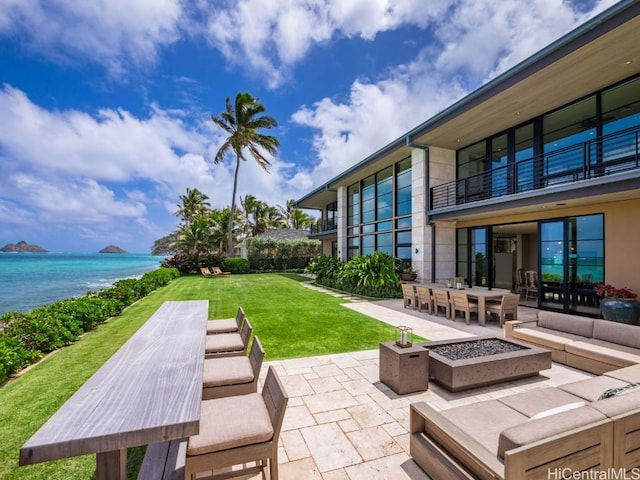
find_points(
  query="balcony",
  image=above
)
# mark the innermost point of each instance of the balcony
(600, 157)
(324, 227)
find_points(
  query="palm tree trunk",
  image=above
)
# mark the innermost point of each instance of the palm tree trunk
(233, 210)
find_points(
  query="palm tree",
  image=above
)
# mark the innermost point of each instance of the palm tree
(194, 204)
(294, 217)
(242, 121)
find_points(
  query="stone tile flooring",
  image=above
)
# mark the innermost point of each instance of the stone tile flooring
(342, 423)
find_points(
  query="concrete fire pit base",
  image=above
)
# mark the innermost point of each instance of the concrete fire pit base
(463, 374)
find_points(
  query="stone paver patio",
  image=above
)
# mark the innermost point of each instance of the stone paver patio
(342, 423)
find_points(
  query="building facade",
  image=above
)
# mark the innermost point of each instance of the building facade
(533, 179)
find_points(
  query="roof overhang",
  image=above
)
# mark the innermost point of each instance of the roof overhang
(601, 52)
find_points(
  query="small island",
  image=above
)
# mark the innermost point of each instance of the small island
(22, 247)
(112, 249)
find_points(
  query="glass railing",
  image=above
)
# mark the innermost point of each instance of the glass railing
(323, 226)
(600, 157)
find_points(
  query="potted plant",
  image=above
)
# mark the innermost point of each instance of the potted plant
(618, 304)
(407, 274)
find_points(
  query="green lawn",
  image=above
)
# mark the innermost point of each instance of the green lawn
(291, 321)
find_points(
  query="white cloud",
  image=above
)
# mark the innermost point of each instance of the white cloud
(74, 168)
(114, 33)
(271, 36)
(478, 39)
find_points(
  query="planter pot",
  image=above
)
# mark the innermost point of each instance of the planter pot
(408, 277)
(623, 310)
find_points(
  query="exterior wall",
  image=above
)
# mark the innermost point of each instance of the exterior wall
(342, 224)
(621, 230)
(442, 169)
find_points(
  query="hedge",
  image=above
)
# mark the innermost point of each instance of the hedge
(26, 337)
(269, 253)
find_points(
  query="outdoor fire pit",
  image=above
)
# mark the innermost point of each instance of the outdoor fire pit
(474, 362)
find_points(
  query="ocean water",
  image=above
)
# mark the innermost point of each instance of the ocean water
(29, 280)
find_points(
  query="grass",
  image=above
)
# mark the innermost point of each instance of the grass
(291, 321)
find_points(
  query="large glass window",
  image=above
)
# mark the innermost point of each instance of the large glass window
(572, 263)
(564, 132)
(403, 187)
(462, 253)
(479, 271)
(371, 205)
(472, 161)
(385, 193)
(499, 160)
(369, 199)
(620, 112)
(353, 205)
(524, 153)
(621, 107)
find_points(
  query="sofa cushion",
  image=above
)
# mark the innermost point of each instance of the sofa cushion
(484, 421)
(539, 429)
(605, 352)
(628, 374)
(545, 337)
(615, 332)
(231, 422)
(592, 389)
(618, 404)
(227, 371)
(562, 322)
(532, 402)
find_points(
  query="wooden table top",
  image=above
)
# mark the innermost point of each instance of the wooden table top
(149, 391)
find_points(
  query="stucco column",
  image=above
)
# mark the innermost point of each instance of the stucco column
(420, 241)
(342, 223)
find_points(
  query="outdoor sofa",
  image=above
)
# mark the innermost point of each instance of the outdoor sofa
(589, 344)
(553, 432)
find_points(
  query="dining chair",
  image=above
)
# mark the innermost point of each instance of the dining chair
(508, 305)
(460, 303)
(531, 284)
(236, 431)
(409, 295)
(227, 376)
(441, 300)
(226, 325)
(424, 298)
(228, 344)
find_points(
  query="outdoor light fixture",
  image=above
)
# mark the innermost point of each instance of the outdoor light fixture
(404, 336)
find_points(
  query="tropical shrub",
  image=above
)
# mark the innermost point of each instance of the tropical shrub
(377, 270)
(27, 336)
(325, 268)
(368, 275)
(13, 357)
(235, 265)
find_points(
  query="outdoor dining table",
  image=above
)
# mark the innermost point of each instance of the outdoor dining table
(481, 294)
(148, 392)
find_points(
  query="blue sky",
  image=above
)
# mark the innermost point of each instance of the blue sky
(105, 105)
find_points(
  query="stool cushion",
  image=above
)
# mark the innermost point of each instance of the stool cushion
(231, 422)
(225, 325)
(227, 371)
(225, 342)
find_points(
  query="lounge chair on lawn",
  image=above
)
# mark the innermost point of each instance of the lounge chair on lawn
(216, 271)
(205, 272)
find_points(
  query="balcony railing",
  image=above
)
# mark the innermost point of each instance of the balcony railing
(323, 226)
(600, 157)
